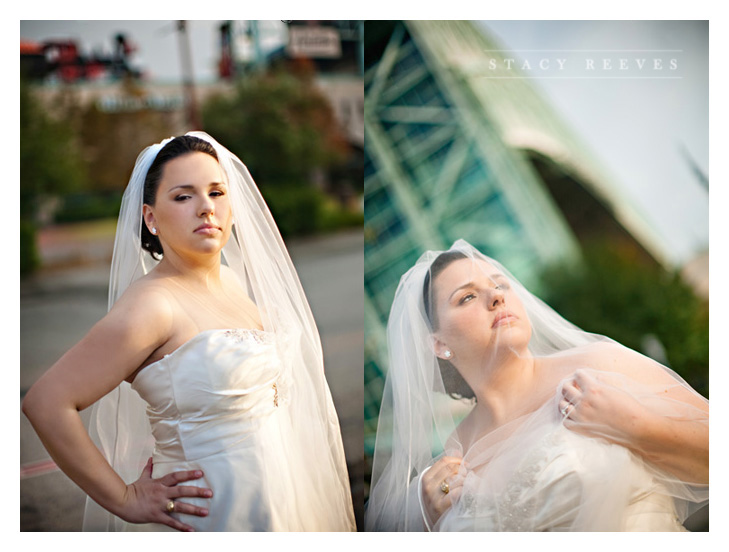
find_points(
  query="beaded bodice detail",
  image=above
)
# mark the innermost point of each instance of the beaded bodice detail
(542, 484)
(242, 334)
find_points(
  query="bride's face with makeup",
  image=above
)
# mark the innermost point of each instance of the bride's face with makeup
(479, 315)
(192, 212)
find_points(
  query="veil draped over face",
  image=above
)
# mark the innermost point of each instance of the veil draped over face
(258, 256)
(528, 473)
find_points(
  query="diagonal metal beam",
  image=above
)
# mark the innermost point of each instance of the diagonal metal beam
(401, 186)
(416, 114)
(388, 60)
(452, 167)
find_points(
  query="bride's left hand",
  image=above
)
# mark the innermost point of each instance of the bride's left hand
(594, 404)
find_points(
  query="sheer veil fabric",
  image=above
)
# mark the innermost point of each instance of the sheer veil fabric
(531, 472)
(258, 256)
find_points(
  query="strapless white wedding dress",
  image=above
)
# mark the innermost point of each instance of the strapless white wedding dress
(548, 478)
(218, 404)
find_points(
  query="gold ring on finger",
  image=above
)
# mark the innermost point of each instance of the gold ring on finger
(445, 487)
(171, 506)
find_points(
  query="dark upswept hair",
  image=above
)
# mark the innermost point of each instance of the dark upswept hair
(176, 147)
(453, 382)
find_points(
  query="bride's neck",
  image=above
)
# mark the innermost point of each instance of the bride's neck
(505, 389)
(202, 272)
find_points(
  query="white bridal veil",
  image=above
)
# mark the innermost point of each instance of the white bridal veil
(256, 252)
(531, 473)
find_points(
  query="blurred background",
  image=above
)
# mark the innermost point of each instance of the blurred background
(285, 96)
(574, 152)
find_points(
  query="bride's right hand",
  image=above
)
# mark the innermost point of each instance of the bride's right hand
(147, 499)
(442, 476)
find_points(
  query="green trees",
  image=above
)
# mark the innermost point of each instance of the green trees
(50, 164)
(77, 157)
(50, 161)
(285, 132)
(617, 295)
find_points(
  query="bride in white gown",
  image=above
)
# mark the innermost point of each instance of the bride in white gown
(206, 375)
(499, 415)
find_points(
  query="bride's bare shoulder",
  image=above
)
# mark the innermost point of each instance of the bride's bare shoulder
(610, 356)
(597, 351)
(600, 355)
(147, 300)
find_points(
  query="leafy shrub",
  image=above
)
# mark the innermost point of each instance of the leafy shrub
(615, 294)
(82, 207)
(29, 259)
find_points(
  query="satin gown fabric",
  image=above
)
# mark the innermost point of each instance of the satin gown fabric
(219, 404)
(545, 477)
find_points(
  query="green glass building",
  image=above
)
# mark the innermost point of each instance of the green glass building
(455, 150)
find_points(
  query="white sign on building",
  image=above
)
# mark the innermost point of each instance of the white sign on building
(314, 42)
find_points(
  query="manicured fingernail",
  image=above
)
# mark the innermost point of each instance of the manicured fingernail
(208, 493)
(204, 512)
(198, 473)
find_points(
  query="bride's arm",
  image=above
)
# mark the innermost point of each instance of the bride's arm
(112, 350)
(667, 426)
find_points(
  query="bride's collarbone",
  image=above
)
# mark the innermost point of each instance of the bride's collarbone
(226, 308)
(188, 310)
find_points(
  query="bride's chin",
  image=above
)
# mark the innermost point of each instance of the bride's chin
(199, 251)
